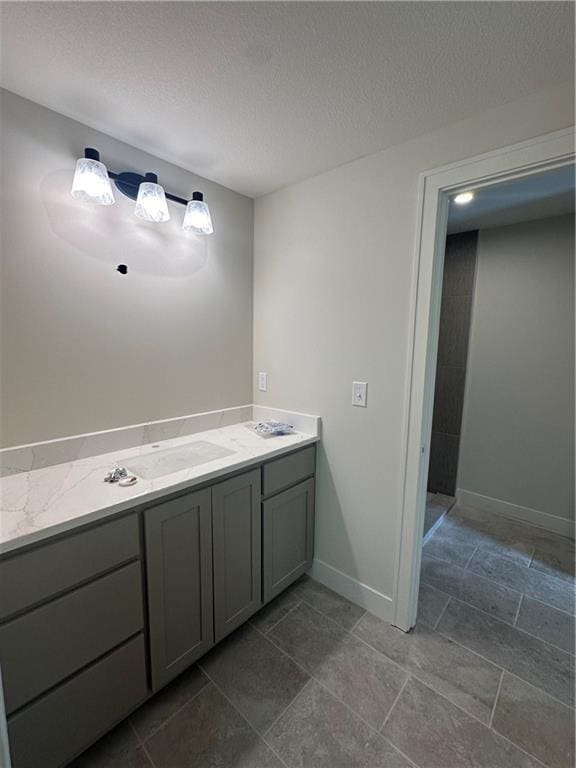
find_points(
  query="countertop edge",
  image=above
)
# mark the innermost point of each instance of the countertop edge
(23, 542)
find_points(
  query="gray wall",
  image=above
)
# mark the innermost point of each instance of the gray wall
(518, 427)
(85, 348)
(456, 311)
(334, 278)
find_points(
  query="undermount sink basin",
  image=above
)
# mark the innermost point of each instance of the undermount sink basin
(170, 460)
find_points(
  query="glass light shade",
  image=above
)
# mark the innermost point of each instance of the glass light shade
(91, 182)
(151, 203)
(197, 218)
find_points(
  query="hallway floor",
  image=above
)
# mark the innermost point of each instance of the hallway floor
(485, 680)
(437, 504)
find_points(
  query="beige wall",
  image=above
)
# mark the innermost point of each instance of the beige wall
(334, 257)
(517, 442)
(83, 347)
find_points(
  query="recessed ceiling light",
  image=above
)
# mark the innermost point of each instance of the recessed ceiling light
(463, 198)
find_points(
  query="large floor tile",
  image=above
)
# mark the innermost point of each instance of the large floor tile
(449, 548)
(552, 543)
(257, 678)
(328, 602)
(432, 515)
(465, 585)
(537, 662)
(118, 749)
(431, 603)
(547, 623)
(537, 723)
(461, 675)
(436, 734)
(457, 530)
(559, 563)
(364, 679)
(442, 500)
(492, 533)
(271, 614)
(209, 733)
(513, 533)
(530, 581)
(166, 702)
(318, 731)
(437, 505)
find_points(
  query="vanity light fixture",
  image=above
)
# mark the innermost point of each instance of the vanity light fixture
(197, 218)
(91, 182)
(151, 202)
(92, 185)
(464, 198)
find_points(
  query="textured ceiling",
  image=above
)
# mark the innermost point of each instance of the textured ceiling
(259, 95)
(537, 196)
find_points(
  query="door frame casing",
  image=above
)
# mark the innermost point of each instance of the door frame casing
(542, 153)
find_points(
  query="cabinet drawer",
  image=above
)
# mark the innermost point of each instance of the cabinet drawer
(53, 729)
(41, 648)
(36, 575)
(288, 470)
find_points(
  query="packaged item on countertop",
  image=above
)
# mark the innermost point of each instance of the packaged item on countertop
(273, 428)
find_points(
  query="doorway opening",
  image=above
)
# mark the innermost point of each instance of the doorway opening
(494, 171)
(502, 444)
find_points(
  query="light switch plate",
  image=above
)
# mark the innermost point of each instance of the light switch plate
(359, 393)
(263, 382)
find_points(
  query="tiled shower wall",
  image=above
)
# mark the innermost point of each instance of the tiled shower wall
(455, 316)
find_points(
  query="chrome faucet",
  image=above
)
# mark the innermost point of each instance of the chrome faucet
(115, 475)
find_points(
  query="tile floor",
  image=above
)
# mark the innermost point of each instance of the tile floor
(437, 504)
(485, 680)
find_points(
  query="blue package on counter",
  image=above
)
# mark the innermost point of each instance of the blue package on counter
(273, 428)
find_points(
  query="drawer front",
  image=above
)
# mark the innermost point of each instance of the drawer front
(37, 575)
(41, 648)
(288, 537)
(55, 728)
(288, 470)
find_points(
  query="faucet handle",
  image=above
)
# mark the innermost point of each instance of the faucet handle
(116, 474)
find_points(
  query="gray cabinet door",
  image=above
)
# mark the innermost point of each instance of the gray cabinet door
(179, 565)
(288, 537)
(236, 530)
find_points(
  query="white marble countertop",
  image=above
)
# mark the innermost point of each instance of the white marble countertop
(37, 504)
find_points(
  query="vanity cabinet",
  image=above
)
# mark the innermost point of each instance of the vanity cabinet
(93, 622)
(179, 564)
(237, 550)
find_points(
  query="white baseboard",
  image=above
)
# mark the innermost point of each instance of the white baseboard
(361, 594)
(560, 525)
